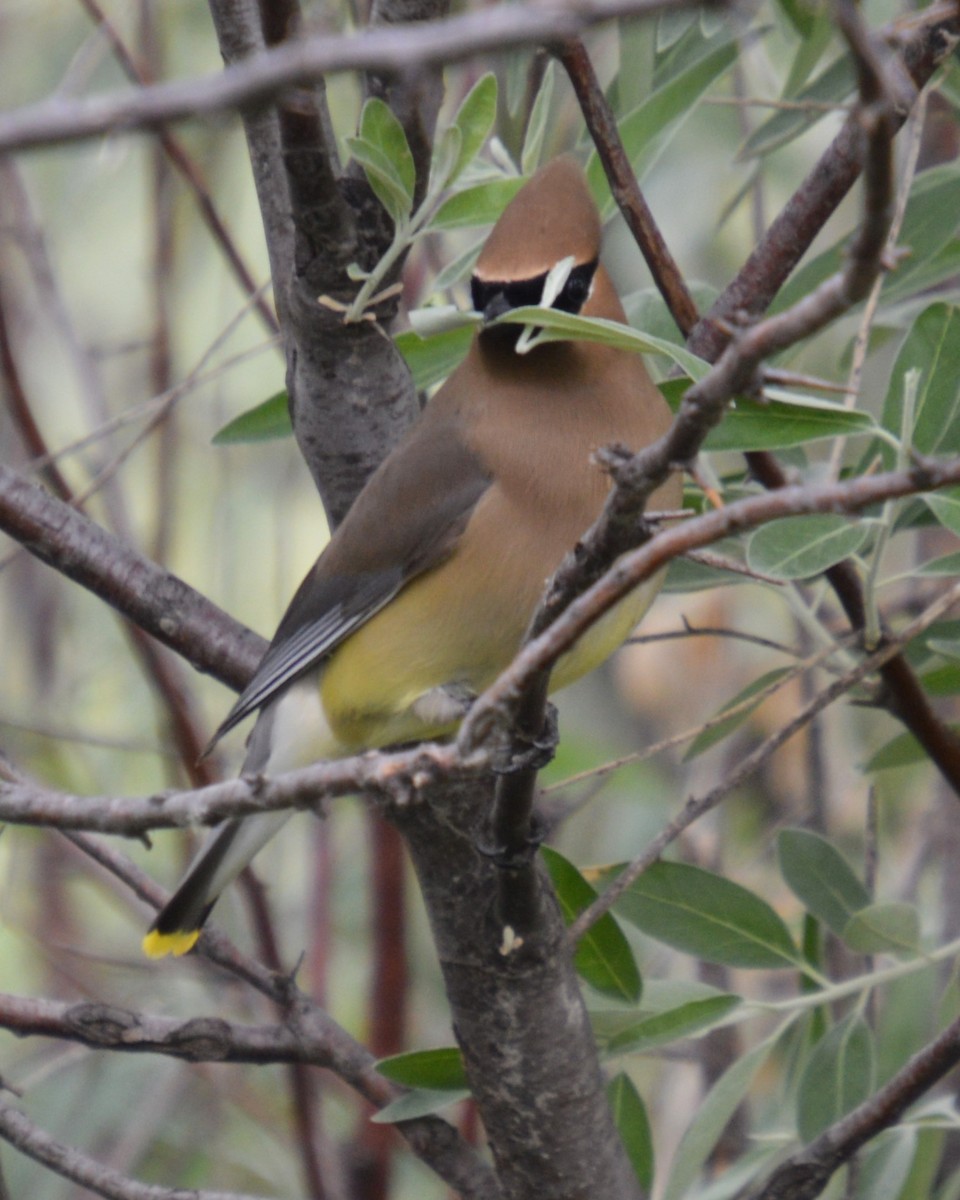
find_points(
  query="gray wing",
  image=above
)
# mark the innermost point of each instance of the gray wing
(434, 481)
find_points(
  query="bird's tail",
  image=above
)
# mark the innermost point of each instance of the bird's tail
(226, 853)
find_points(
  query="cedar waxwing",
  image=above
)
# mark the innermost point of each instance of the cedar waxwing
(424, 592)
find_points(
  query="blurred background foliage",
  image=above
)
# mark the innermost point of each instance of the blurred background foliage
(135, 346)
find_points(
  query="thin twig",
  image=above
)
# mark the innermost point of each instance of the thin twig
(63, 1160)
(694, 808)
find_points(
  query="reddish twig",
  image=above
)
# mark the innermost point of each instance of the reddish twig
(601, 122)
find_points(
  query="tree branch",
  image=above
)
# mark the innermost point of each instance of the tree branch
(174, 613)
(263, 77)
(804, 1175)
(69, 1163)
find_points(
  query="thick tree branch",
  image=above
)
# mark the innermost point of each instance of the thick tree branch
(174, 613)
(262, 78)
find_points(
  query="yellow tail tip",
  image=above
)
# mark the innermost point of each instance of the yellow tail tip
(159, 945)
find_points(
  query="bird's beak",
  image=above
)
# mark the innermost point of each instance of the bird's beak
(495, 307)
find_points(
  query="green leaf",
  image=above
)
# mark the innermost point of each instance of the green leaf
(265, 421)
(687, 1020)
(945, 506)
(683, 575)
(931, 347)
(603, 956)
(474, 120)
(801, 15)
(886, 1163)
(382, 177)
(431, 1070)
(810, 49)
(946, 564)
(647, 130)
(708, 916)
(443, 161)
(712, 1115)
(481, 204)
(432, 359)
(901, 751)
(459, 268)
(776, 423)
(930, 221)
(837, 1077)
(630, 1117)
(380, 129)
(818, 874)
(943, 680)
(887, 927)
(947, 648)
(561, 326)
(832, 86)
(419, 1103)
(709, 737)
(801, 547)
(672, 25)
(537, 125)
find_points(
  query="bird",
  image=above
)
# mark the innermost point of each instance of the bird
(424, 592)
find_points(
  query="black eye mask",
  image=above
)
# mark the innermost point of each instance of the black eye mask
(495, 297)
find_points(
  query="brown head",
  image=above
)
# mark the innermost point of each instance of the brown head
(551, 218)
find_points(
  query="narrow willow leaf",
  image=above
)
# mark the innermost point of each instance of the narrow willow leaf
(474, 120)
(801, 15)
(379, 127)
(709, 737)
(460, 268)
(944, 565)
(711, 1118)
(930, 222)
(818, 874)
(888, 927)
(443, 161)
(421, 1102)
(886, 1164)
(630, 1117)
(672, 25)
(777, 423)
(810, 49)
(838, 1076)
(603, 956)
(537, 125)
(801, 547)
(432, 358)
(264, 422)
(706, 915)
(436, 1070)
(648, 129)
(949, 648)
(383, 178)
(692, 1019)
(832, 86)
(481, 204)
(684, 575)
(901, 751)
(930, 348)
(561, 326)
(945, 506)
